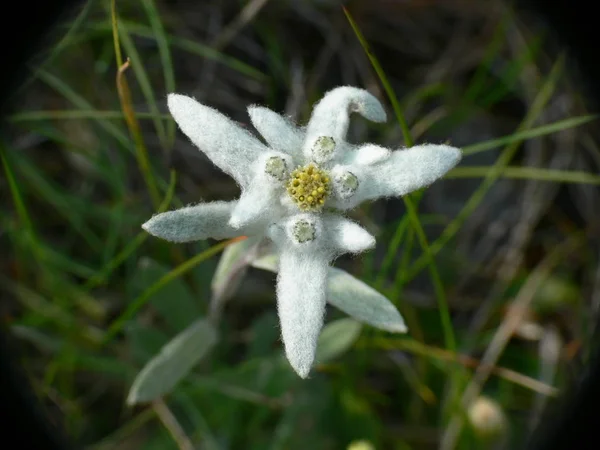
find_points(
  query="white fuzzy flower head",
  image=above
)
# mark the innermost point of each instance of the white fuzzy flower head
(295, 190)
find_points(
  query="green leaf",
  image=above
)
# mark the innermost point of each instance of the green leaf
(173, 363)
(144, 341)
(230, 270)
(118, 324)
(337, 338)
(175, 302)
(269, 263)
(359, 300)
(354, 297)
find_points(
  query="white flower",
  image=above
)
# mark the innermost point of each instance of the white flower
(294, 190)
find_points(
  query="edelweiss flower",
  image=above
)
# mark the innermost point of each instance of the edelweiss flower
(294, 190)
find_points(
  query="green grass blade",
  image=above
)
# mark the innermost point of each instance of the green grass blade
(79, 114)
(15, 192)
(207, 52)
(21, 209)
(521, 136)
(443, 356)
(411, 209)
(143, 298)
(165, 59)
(115, 32)
(477, 84)
(192, 47)
(80, 102)
(143, 80)
(113, 234)
(70, 38)
(494, 173)
(62, 262)
(404, 262)
(391, 253)
(438, 287)
(74, 27)
(53, 195)
(141, 152)
(116, 438)
(512, 73)
(97, 30)
(103, 274)
(528, 173)
(384, 81)
(422, 94)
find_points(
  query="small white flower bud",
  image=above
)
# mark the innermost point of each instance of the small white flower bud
(346, 184)
(323, 149)
(303, 231)
(487, 418)
(276, 167)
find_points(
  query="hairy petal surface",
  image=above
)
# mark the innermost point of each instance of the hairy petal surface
(260, 200)
(307, 244)
(331, 116)
(279, 131)
(362, 302)
(194, 223)
(351, 296)
(345, 236)
(301, 287)
(402, 172)
(365, 155)
(229, 146)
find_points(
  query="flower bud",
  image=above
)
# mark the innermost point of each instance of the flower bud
(487, 418)
(360, 445)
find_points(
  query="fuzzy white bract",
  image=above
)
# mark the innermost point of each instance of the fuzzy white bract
(294, 191)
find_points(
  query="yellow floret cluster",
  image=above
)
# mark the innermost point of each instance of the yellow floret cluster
(309, 187)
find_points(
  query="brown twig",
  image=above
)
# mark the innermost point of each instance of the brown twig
(502, 336)
(141, 152)
(172, 425)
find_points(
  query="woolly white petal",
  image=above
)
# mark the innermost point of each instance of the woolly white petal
(404, 171)
(255, 205)
(346, 236)
(193, 223)
(229, 146)
(362, 302)
(279, 132)
(331, 115)
(260, 201)
(352, 296)
(301, 287)
(367, 154)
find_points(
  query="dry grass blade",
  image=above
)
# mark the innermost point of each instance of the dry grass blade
(502, 336)
(134, 128)
(244, 17)
(170, 422)
(441, 354)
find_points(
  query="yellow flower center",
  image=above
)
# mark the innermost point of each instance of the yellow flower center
(309, 187)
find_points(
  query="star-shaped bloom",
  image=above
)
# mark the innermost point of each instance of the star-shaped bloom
(295, 190)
